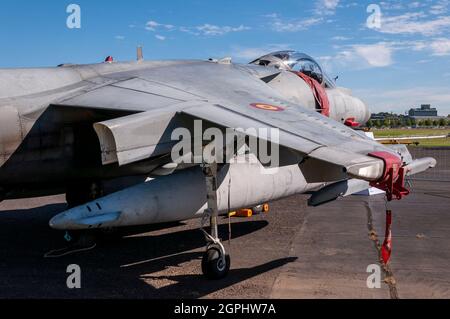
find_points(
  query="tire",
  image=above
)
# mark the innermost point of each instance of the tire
(212, 266)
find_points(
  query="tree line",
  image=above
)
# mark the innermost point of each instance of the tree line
(408, 122)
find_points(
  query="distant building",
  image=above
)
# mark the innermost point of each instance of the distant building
(425, 111)
(413, 118)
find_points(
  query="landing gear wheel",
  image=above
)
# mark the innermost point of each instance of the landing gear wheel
(214, 266)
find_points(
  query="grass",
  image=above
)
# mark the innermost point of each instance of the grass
(444, 142)
(410, 132)
(441, 142)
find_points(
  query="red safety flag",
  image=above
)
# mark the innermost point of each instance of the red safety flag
(386, 249)
(319, 92)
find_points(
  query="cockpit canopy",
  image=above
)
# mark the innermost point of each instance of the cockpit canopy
(297, 62)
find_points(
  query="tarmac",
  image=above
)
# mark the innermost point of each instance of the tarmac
(292, 252)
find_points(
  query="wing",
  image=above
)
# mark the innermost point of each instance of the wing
(228, 97)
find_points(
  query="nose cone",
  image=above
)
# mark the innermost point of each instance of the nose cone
(72, 219)
(85, 217)
(61, 222)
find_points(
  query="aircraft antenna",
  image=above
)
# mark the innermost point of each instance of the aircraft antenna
(140, 54)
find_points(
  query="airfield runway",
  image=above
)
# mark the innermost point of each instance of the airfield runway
(292, 252)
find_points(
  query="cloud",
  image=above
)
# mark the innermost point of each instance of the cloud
(330, 4)
(402, 100)
(415, 5)
(326, 7)
(160, 37)
(414, 23)
(440, 8)
(434, 7)
(321, 9)
(440, 47)
(340, 38)
(250, 54)
(381, 54)
(295, 26)
(387, 5)
(154, 26)
(359, 56)
(435, 46)
(214, 30)
(205, 29)
(376, 55)
(119, 37)
(279, 24)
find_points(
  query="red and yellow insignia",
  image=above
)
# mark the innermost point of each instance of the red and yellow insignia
(267, 107)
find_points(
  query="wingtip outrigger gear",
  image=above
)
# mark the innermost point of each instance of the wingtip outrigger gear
(393, 183)
(393, 180)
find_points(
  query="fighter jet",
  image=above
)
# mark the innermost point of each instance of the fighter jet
(72, 128)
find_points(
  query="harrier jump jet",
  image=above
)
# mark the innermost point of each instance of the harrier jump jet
(71, 128)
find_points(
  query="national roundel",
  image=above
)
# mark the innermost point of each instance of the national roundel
(267, 107)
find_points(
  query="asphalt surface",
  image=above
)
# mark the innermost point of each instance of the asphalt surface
(292, 252)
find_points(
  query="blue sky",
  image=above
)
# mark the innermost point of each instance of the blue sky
(403, 62)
